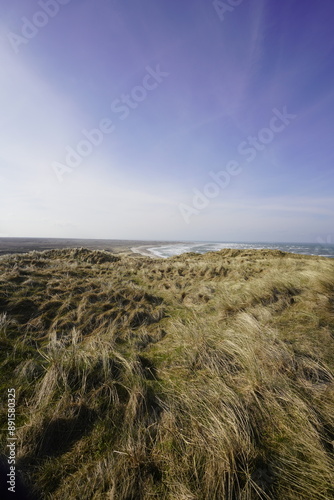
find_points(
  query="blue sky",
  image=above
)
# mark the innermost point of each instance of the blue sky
(182, 89)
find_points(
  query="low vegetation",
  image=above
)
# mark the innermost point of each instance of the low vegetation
(198, 377)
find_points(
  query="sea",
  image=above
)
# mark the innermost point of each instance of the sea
(320, 249)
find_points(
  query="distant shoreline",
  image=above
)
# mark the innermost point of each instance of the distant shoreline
(25, 245)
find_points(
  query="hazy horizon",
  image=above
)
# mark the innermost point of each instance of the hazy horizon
(198, 121)
(319, 242)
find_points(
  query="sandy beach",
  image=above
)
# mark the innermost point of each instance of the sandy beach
(145, 250)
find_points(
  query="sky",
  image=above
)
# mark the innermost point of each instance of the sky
(192, 120)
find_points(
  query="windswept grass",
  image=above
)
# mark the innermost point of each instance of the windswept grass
(200, 377)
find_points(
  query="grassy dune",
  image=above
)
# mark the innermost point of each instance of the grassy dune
(199, 377)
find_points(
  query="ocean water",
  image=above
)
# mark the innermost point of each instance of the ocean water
(320, 249)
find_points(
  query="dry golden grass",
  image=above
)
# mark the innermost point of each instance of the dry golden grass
(192, 378)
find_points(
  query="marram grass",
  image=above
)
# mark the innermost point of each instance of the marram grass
(199, 377)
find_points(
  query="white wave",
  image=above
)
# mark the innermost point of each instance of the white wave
(166, 251)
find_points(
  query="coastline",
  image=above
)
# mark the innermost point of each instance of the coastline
(145, 251)
(145, 247)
